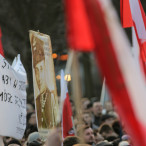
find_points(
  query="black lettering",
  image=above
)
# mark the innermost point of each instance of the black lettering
(3, 79)
(15, 83)
(7, 79)
(1, 95)
(22, 85)
(10, 81)
(9, 98)
(4, 65)
(5, 97)
(16, 99)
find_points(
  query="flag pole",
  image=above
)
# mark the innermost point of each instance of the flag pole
(67, 70)
(102, 98)
(76, 86)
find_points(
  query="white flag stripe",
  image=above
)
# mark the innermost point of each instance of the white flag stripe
(137, 18)
(133, 79)
(136, 50)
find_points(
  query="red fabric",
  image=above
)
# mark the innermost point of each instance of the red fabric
(108, 63)
(78, 30)
(1, 47)
(67, 121)
(125, 12)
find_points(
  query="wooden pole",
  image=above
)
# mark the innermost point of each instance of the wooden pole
(76, 86)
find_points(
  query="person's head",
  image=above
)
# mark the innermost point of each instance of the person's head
(104, 143)
(34, 139)
(85, 102)
(39, 62)
(109, 106)
(81, 145)
(87, 118)
(30, 129)
(117, 127)
(126, 138)
(106, 131)
(14, 142)
(29, 108)
(7, 139)
(89, 107)
(97, 108)
(124, 143)
(87, 134)
(98, 137)
(31, 118)
(71, 140)
(108, 119)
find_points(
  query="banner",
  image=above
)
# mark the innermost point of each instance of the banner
(45, 92)
(12, 100)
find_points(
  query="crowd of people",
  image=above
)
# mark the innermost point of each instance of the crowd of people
(96, 125)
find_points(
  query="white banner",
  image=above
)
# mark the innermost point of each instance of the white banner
(12, 99)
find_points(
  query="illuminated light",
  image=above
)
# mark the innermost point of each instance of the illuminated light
(64, 57)
(54, 55)
(67, 77)
(58, 77)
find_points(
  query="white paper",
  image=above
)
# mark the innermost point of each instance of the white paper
(12, 100)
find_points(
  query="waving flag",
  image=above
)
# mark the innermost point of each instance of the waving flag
(78, 29)
(132, 14)
(112, 50)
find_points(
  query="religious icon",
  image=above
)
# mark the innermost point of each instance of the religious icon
(45, 95)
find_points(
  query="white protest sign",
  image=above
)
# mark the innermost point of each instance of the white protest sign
(12, 100)
(18, 66)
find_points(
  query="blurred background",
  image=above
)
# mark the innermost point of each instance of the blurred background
(17, 17)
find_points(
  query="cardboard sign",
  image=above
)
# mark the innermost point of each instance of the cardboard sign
(45, 92)
(12, 99)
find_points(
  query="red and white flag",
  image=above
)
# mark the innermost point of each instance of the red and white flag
(112, 50)
(1, 47)
(132, 14)
(67, 124)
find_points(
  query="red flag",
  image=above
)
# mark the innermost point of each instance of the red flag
(126, 17)
(78, 29)
(67, 123)
(67, 118)
(125, 82)
(1, 47)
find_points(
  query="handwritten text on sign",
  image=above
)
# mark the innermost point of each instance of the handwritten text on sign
(12, 101)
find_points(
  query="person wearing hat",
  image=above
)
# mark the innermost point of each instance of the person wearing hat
(45, 113)
(34, 139)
